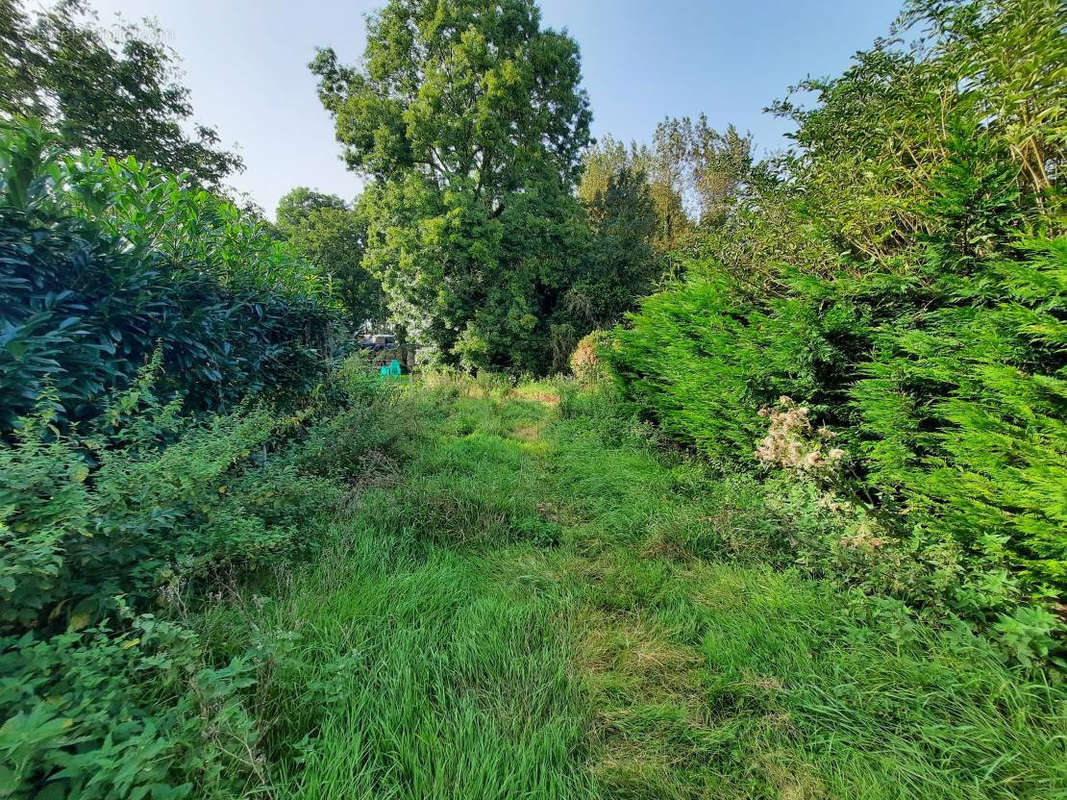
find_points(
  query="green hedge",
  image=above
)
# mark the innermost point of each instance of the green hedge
(904, 281)
(86, 297)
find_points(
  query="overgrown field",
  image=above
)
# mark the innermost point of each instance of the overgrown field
(466, 588)
(542, 602)
(791, 522)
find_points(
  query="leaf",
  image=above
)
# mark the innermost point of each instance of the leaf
(8, 783)
(82, 614)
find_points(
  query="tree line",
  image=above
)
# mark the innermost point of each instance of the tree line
(493, 231)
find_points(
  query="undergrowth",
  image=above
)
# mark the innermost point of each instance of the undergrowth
(114, 535)
(544, 601)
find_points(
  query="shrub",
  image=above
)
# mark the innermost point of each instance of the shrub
(102, 713)
(86, 298)
(43, 511)
(147, 520)
(963, 402)
(934, 344)
(702, 359)
(111, 533)
(586, 360)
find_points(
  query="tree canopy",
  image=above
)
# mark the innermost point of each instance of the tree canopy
(297, 205)
(469, 120)
(622, 264)
(116, 91)
(332, 236)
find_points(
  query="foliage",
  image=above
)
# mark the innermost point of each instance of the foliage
(198, 231)
(709, 170)
(696, 354)
(154, 516)
(297, 205)
(906, 288)
(469, 119)
(525, 589)
(123, 713)
(111, 537)
(607, 158)
(998, 62)
(332, 238)
(103, 262)
(621, 263)
(121, 97)
(100, 713)
(963, 399)
(592, 617)
(587, 360)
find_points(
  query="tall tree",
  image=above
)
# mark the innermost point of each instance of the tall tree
(469, 119)
(622, 263)
(710, 169)
(602, 163)
(332, 236)
(297, 205)
(115, 91)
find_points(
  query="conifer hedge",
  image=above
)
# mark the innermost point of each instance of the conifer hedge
(914, 299)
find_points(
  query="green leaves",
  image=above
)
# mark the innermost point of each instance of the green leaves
(116, 91)
(95, 715)
(332, 238)
(470, 119)
(141, 512)
(102, 261)
(905, 280)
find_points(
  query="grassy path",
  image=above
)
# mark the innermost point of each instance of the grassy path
(520, 615)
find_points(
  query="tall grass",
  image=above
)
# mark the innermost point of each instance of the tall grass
(545, 604)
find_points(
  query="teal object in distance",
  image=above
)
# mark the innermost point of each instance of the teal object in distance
(391, 370)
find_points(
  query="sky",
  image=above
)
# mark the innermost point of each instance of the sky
(245, 63)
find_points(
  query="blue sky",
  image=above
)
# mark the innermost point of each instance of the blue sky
(246, 64)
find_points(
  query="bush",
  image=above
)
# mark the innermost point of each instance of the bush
(112, 532)
(166, 431)
(702, 359)
(86, 298)
(934, 344)
(586, 361)
(149, 518)
(103, 713)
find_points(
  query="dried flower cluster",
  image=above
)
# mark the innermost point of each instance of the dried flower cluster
(585, 360)
(793, 443)
(863, 538)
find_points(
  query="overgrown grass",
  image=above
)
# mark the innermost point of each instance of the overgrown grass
(405, 665)
(541, 604)
(717, 676)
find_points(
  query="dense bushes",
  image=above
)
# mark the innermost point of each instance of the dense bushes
(134, 308)
(111, 534)
(934, 343)
(102, 262)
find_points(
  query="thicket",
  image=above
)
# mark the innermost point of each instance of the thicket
(901, 275)
(112, 534)
(168, 427)
(103, 262)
